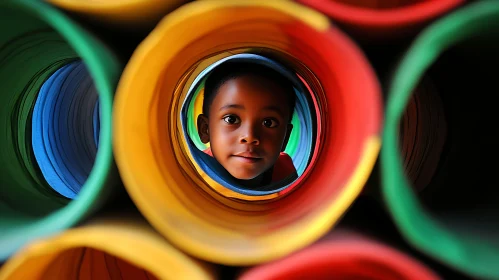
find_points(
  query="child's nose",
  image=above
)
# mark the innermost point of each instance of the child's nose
(250, 136)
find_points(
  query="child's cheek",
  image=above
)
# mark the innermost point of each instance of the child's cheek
(226, 139)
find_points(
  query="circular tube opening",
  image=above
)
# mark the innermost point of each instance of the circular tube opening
(455, 199)
(300, 145)
(50, 123)
(167, 187)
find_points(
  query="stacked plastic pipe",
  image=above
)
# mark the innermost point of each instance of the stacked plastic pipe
(58, 82)
(103, 174)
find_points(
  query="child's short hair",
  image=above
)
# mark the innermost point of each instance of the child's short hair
(232, 70)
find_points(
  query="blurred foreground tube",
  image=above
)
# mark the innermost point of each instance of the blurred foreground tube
(216, 223)
(453, 217)
(36, 41)
(107, 249)
(121, 13)
(377, 20)
(343, 255)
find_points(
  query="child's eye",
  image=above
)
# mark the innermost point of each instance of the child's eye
(231, 119)
(270, 123)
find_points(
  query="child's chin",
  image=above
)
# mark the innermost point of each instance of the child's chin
(244, 176)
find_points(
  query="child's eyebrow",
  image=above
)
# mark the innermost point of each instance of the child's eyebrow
(273, 108)
(232, 106)
(266, 108)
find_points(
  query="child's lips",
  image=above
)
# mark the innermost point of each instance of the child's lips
(248, 157)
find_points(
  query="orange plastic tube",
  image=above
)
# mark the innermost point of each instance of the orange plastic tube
(150, 148)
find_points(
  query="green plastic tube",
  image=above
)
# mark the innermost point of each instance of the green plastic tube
(36, 40)
(455, 218)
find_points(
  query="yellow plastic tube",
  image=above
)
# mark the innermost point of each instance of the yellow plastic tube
(182, 203)
(121, 12)
(110, 248)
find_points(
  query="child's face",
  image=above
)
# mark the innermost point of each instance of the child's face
(247, 126)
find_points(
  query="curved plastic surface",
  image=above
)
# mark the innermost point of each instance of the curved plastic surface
(130, 13)
(304, 108)
(65, 128)
(383, 19)
(136, 252)
(35, 41)
(423, 134)
(149, 145)
(454, 236)
(344, 255)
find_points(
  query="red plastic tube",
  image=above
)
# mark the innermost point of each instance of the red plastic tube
(343, 256)
(376, 19)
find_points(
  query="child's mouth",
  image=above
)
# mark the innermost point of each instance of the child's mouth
(248, 157)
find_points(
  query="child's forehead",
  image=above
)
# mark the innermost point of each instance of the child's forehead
(253, 91)
(256, 86)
